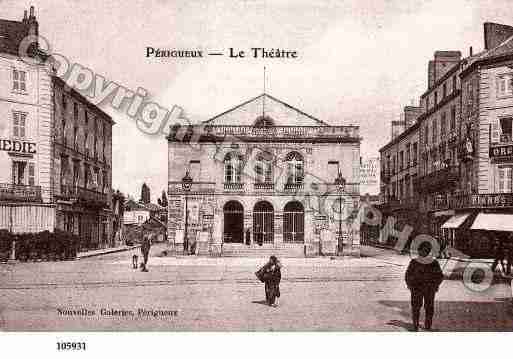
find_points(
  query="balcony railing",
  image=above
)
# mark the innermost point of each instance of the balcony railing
(339, 132)
(263, 186)
(349, 188)
(385, 176)
(461, 201)
(402, 203)
(435, 180)
(293, 186)
(85, 195)
(234, 186)
(16, 192)
(196, 187)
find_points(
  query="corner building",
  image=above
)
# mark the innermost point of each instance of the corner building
(264, 181)
(55, 148)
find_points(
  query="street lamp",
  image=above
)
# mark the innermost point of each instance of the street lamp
(341, 185)
(186, 186)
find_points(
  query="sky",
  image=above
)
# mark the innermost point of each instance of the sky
(359, 62)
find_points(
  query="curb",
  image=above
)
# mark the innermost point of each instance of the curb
(114, 250)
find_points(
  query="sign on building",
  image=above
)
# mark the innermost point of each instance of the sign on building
(369, 171)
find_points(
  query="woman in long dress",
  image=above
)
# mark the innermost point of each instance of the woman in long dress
(270, 274)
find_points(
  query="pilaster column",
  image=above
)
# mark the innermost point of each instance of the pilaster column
(278, 229)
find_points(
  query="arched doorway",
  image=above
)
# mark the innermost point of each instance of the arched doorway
(294, 222)
(263, 222)
(233, 222)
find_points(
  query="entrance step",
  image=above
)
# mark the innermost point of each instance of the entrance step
(284, 250)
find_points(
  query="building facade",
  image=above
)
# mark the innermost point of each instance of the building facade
(399, 162)
(264, 175)
(439, 138)
(56, 148)
(463, 190)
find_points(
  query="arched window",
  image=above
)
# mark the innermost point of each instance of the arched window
(295, 168)
(263, 168)
(232, 168)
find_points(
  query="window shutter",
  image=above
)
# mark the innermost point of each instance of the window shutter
(22, 81)
(22, 124)
(501, 180)
(16, 125)
(15, 80)
(508, 179)
(495, 131)
(31, 174)
(14, 172)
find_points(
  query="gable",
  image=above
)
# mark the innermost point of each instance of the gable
(281, 114)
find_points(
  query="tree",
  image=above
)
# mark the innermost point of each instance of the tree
(145, 194)
(163, 201)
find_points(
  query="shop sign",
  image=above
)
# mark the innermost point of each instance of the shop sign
(17, 146)
(501, 151)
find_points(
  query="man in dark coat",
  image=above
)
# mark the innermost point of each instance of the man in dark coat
(423, 278)
(145, 250)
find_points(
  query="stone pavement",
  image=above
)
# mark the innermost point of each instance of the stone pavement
(366, 294)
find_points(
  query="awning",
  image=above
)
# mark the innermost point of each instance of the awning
(456, 220)
(494, 222)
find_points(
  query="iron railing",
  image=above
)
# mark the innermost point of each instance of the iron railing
(83, 194)
(17, 192)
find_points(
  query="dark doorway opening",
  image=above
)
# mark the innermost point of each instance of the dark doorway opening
(233, 222)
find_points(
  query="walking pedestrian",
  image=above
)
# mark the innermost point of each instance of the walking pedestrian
(423, 278)
(498, 256)
(270, 274)
(508, 255)
(442, 243)
(145, 250)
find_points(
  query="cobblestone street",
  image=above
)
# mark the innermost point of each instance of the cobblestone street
(363, 294)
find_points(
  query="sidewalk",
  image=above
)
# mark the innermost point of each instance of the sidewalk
(99, 252)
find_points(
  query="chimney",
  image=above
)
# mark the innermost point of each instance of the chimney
(25, 18)
(470, 51)
(443, 61)
(410, 115)
(495, 34)
(431, 73)
(33, 24)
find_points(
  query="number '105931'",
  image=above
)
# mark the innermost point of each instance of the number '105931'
(71, 346)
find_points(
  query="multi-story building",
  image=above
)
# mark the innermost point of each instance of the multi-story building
(56, 148)
(439, 133)
(264, 175)
(465, 180)
(399, 162)
(484, 202)
(82, 167)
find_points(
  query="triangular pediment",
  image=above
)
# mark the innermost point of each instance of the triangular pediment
(264, 107)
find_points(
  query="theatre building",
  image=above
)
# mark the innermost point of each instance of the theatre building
(55, 148)
(264, 177)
